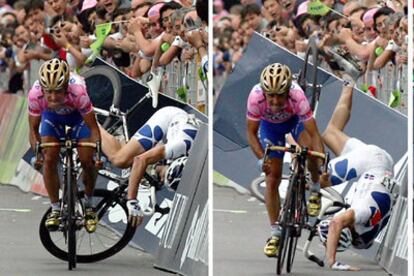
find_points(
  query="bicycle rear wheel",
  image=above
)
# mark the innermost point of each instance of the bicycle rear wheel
(308, 78)
(112, 234)
(104, 89)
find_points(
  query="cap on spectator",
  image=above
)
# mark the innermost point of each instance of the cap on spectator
(154, 11)
(369, 15)
(218, 3)
(302, 9)
(87, 4)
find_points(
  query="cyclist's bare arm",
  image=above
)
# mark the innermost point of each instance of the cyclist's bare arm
(34, 136)
(347, 219)
(253, 139)
(312, 129)
(90, 121)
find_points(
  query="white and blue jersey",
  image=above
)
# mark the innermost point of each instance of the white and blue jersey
(171, 126)
(371, 201)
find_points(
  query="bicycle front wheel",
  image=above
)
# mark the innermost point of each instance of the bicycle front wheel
(287, 237)
(112, 234)
(71, 219)
(258, 187)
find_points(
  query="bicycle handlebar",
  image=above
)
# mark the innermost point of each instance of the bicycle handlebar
(298, 150)
(37, 162)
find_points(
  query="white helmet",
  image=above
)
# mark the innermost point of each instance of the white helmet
(345, 240)
(174, 172)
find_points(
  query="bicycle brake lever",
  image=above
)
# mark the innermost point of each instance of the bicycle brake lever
(326, 161)
(266, 153)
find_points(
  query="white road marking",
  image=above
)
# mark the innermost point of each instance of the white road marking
(231, 211)
(15, 210)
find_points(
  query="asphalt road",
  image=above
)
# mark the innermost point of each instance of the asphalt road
(21, 252)
(241, 230)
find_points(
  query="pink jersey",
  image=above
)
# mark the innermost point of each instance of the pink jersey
(77, 98)
(297, 104)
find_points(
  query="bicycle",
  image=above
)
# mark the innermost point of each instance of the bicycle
(114, 231)
(293, 216)
(72, 209)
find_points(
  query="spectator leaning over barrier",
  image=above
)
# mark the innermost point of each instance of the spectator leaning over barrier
(168, 134)
(167, 38)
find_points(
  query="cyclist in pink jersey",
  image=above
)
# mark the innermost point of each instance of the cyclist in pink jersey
(56, 100)
(276, 107)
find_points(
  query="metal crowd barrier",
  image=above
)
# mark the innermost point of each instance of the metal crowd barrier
(181, 81)
(388, 80)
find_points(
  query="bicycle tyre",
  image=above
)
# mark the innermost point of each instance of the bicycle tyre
(299, 205)
(284, 223)
(71, 227)
(303, 78)
(258, 186)
(104, 101)
(108, 200)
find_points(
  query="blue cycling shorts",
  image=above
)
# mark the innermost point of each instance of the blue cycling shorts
(53, 124)
(274, 134)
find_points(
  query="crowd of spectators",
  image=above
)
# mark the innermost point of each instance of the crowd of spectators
(354, 37)
(145, 35)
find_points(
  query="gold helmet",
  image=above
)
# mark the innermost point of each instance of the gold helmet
(276, 78)
(54, 74)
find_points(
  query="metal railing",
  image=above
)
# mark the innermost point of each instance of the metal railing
(390, 81)
(182, 81)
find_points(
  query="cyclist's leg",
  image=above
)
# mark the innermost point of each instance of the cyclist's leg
(50, 170)
(314, 203)
(51, 131)
(273, 134)
(272, 198)
(334, 136)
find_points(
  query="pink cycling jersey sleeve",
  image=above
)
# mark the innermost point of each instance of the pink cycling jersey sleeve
(37, 103)
(255, 104)
(79, 95)
(300, 103)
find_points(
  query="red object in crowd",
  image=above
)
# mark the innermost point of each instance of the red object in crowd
(51, 44)
(373, 90)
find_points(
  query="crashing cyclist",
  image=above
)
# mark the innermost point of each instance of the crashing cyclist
(277, 106)
(168, 134)
(58, 99)
(371, 204)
